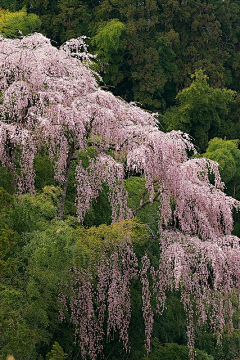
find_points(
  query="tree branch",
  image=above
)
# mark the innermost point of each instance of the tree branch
(136, 211)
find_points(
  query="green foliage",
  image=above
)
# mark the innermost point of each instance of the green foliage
(44, 172)
(137, 195)
(6, 201)
(171, 351)
(201, 112)
(100, 211)
(9, 240)
(227, 154)
(61, 19)
(232, 124)
(16, 336)
(13, 24)
(9, 262)
(23, 314)
(97, 239)
(56, 353)
(9, 4)
(107, 39)
(229, 349)
(6, 180)
(71, 19)
(30, 211)
(29, 315)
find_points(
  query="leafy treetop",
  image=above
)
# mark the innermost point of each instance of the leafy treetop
(13, 24)
(201, 111)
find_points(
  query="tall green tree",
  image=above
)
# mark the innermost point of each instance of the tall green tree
(62, 19)
(227, 15)
(227, 154)
(144, 51)
(201, 111)
(73, 18)
(165, 41)
(13, 24)
(107, 39)
(9, 4)
(200, 38)
(56, 353)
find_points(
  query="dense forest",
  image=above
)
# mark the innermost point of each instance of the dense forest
(119, 179)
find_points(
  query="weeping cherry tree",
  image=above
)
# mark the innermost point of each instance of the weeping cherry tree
(50, 98)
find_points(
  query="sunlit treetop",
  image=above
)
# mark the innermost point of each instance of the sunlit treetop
(14, 24)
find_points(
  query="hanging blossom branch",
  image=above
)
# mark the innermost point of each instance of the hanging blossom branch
(78, 48)
(206, 275)
(88, 334)
(146, 299)
(111, 297)
(112, 174)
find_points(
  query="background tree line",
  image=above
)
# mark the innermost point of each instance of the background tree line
(162, 42)
(148, 52)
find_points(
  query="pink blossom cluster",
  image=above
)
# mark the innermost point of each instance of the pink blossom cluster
(88, 334)
(109, 302)
(207, 274)
(146, 299)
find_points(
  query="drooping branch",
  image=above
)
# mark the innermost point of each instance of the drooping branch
(143, 204)
(64, 184)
